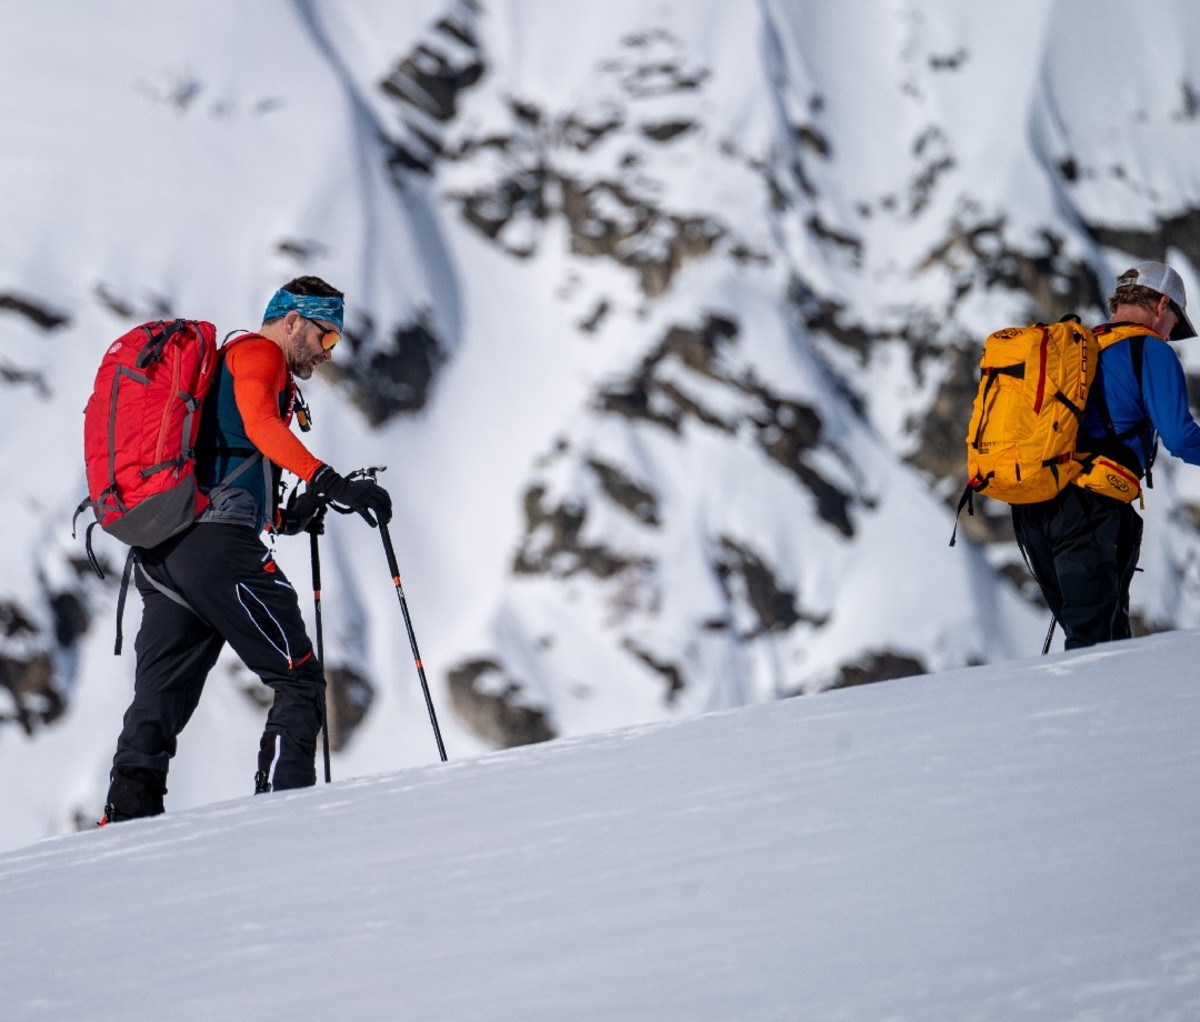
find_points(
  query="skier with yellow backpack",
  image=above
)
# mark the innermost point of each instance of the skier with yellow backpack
(1065, 427)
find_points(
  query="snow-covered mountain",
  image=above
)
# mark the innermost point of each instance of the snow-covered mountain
(995, 843)
(663, 317)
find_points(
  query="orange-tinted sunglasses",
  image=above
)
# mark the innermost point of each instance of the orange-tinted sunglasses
(328, 337)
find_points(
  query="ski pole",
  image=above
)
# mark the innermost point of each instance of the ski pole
(315, 547)
(1049, 635)
(412, 639)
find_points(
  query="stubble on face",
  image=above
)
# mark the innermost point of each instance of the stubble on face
(300, 358)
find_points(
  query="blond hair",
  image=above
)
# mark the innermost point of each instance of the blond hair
(1134, 294)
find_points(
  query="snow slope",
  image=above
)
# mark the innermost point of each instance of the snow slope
(984, 844)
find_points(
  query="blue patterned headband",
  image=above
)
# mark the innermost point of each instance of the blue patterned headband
(329, 309)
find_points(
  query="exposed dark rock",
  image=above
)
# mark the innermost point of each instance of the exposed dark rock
(583, 132)
(661, 79)
(10, 374)
(428, 82)
(774, 608)
(14, 621)
(1190, 105)
(521, 193)
(1140, 625)
(302, 250)
(699, 349)
(949, 61)
(827, 316)
(849, 244)
(931, 146)
(784, 429)
(665, 131)
(636, 398)
(644, 396)
(624, 492)
(149, 308)
(607, 216)
(1181, 231)
(942, 428)
(30, 683)
(832, 502)
(490, 702)
(38, 314)
(530, 113)
(607, 220)
(71, 619)
(744, 255)
(552, 543)
(883, 665)
(597, 316)
(1193, 389)
(458, 29)
(1188, 513)
(670, 673)
(1021, 579)
(392, 378)
(815, 141)
(27, 656)
(351, 696)
(114, 302)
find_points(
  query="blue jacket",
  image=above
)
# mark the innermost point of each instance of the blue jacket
(1162, 397)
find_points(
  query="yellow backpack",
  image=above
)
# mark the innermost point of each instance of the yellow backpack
(1033, 388)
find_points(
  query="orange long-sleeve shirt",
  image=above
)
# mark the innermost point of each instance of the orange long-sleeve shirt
(260, 374)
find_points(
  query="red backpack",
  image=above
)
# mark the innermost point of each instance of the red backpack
(139, 431)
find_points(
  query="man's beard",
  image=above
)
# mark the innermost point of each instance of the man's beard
(300, 364)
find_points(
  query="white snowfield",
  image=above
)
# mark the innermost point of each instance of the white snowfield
(993, 843)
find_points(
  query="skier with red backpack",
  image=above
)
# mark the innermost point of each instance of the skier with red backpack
(212, 580)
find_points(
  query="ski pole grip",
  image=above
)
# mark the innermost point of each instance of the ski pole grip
(314, 547)
(389, 550)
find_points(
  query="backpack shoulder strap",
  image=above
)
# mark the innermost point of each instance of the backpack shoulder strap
(1113, 333)
(1143, 430)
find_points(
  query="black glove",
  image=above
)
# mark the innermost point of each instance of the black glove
(304, 513)
(364, 495)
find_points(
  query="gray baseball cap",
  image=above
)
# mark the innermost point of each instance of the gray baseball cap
(1161, 278)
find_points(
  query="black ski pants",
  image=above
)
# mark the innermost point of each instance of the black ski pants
(218, 583)
(1083, 549)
